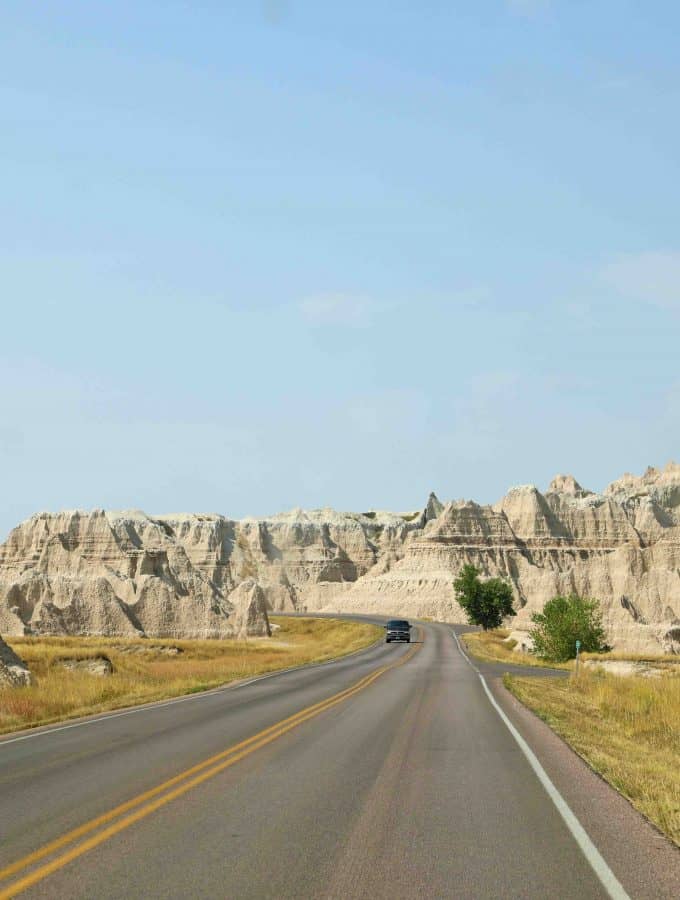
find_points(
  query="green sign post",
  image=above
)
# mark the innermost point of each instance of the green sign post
(578, 647)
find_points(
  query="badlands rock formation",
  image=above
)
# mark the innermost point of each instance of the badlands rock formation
(622, 547)
(13, 670)
(206, 575)
(119, 574)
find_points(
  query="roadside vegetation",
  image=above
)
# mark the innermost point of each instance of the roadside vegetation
(564, 621)
(557, 628)
(626, 728)
(493, 646)
(145, 670)
(485, 603)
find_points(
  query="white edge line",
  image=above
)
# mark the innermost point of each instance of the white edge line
(609, 881)
(199, 695)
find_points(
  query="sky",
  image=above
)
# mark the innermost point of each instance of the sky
(257, 255)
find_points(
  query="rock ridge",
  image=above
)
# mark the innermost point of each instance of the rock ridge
(205, 575)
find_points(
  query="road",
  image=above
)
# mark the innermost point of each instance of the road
(386, 774)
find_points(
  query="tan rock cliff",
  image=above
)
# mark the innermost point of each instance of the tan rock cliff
(116, 574)
(622, 547)
(206, 575)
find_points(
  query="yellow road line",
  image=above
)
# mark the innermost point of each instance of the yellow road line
(147, 795)
(181, 783)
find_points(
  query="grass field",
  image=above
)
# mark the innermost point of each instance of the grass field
(490, 646)
(147, 669)
(661, 660)
(627, 729)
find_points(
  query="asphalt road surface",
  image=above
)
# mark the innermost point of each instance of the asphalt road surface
(386, 774)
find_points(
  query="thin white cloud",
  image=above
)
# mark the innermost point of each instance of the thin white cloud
(615, 83)
(275, 12)
(527, 8)
(652, 277)
(337, 310)
(471, 297)
(388, 413)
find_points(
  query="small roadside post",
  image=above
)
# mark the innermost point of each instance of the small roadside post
(578, 647)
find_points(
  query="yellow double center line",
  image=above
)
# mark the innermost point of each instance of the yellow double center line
(144, 804)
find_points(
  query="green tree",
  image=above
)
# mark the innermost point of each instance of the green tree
(564, 621)
(486, 603)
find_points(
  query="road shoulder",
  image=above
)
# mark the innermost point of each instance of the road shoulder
(643, 859)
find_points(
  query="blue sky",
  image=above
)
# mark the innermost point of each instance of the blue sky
(259, 255)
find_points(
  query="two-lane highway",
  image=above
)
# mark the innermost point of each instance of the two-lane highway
(386, 774)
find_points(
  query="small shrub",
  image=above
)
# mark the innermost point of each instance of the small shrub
(565, 620)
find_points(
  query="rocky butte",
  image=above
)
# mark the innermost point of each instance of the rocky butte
(189, 575)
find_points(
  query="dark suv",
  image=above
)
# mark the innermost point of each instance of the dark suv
(398, 630)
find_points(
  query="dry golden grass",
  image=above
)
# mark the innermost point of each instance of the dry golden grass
(626, 728)
(141, 677)
(662, 660)
(490, 646)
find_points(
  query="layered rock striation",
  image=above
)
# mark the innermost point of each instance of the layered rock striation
(622, 547)
(210, 576)
(116, 574)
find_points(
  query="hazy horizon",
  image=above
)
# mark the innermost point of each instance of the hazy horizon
(287, 255)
